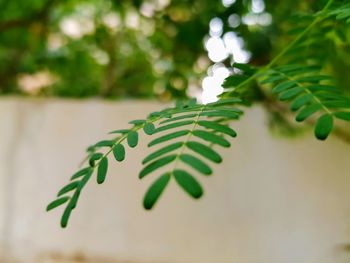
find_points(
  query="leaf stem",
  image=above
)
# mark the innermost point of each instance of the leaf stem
(183, 147)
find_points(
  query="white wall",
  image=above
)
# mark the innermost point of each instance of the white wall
(271, 201)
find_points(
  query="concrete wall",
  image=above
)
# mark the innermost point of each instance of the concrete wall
(271, 201)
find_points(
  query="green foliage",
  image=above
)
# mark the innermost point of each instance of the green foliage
(186, 136)
(309, 93)
(198, 133)
(78, 181)
(116, 49)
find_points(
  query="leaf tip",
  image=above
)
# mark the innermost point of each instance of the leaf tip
(324, 127)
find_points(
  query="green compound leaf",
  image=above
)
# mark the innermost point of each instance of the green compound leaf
(102, 170)
(155, 191)
(77, 186)
(205, 151)
(211, 137)
(196, 164)
(156, 165)
(168, 137)
(133, 139)
(324, 126)
(218, 127)
(309, 91)
(162, 151)
(188, 183)
(57, 203)
(119, 152)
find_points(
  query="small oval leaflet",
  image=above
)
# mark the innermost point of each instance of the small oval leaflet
(324, 126)
(301, 101)
(284, 86)
(156, 165)
(221, 113)
(68, 188)
(211, 137)
(168, 137)
(104, 143)
(133, 139)
(218, 127)
(65, 216)
(205, 151)
(119, 131)
(307, 111)
(119, 152)
(188, 183)
(272, 79)
(196, 164)
(185, 116)
(314, 79)
(81, 172)
(343, 115)
(162, 151)
(155, 190)
(102, 170)
(57, 203)
(149, 128)
(291, 93)
(173, 125)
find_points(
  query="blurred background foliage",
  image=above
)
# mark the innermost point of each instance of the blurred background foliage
(162, 48)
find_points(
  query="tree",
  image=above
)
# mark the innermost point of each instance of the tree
(109, 49)
(301, 78)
